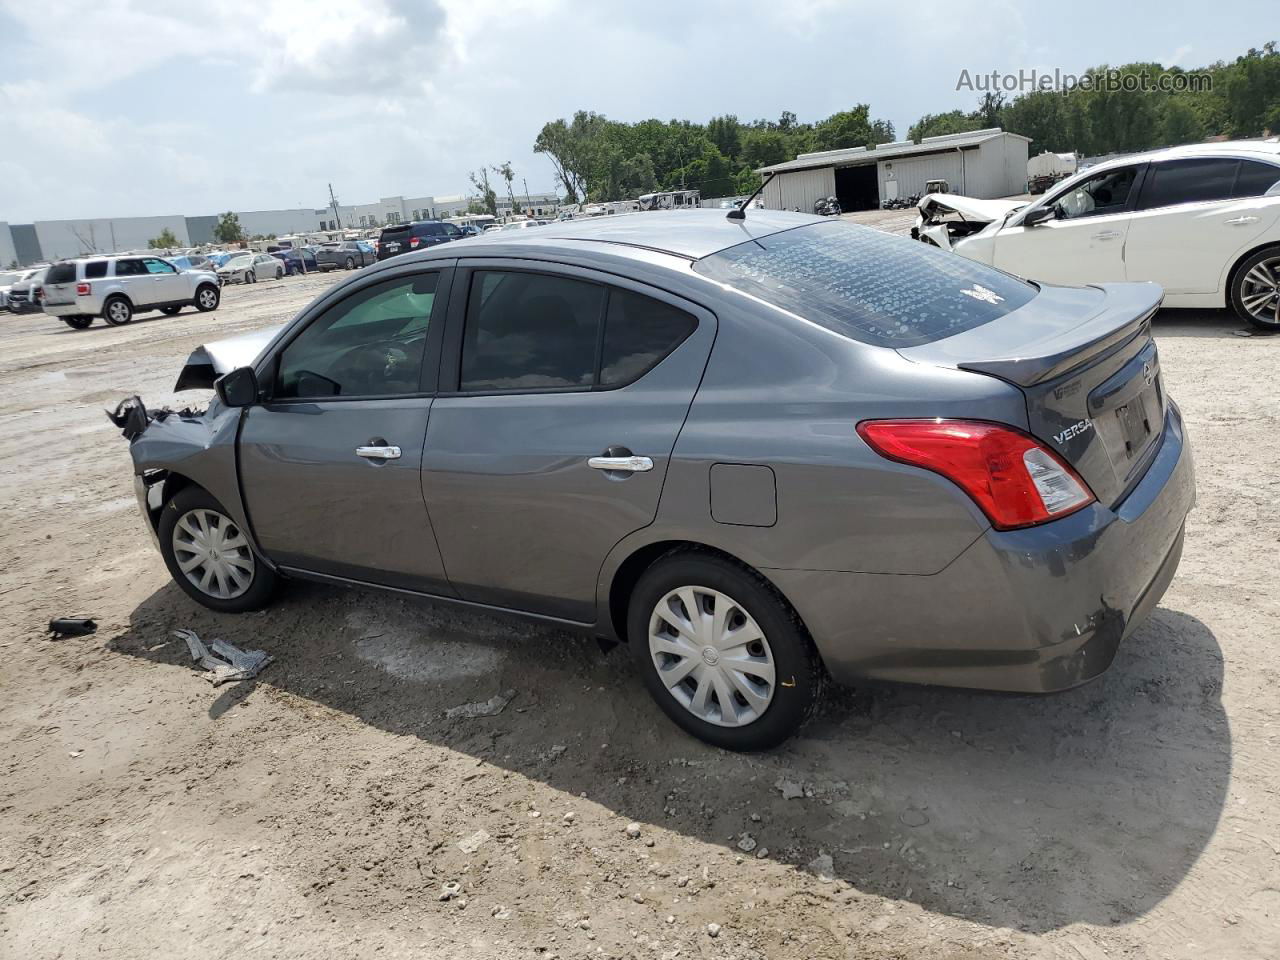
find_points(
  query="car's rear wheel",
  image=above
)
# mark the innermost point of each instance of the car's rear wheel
(209, 556)
(208, 297)
(117, 311)
(722, 652)
(1255, 289)
(170, 311)
(78, 323)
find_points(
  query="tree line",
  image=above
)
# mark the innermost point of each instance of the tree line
(600, 159)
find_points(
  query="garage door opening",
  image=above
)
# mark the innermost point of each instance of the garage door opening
(856, 187)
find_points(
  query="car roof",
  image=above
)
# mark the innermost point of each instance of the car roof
(692, 234)
(1260, 149)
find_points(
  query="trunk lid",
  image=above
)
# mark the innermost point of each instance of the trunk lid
(1086, 362)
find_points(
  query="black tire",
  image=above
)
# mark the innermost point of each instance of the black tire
(800, 677)
(351, 263)
(78, 323)
(262, 583)
(251, 276)
(1243, 285)
(171, 311)
(117, 311)
(208, 297)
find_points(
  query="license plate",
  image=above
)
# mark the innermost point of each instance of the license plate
(393, 246)
(1135, 424)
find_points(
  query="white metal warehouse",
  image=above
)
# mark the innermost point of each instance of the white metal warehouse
(981, 163)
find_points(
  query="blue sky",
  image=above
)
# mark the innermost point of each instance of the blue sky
(124, 108)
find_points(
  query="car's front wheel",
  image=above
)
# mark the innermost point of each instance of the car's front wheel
(722, 652)
(209, 556)
(1255, 289)
(351, 263)
(207, 298)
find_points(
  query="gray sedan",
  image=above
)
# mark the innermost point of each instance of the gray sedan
(758, 452)
(347, 255)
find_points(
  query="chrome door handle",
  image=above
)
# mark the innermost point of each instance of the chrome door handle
(378, 453)
(1107, 235)
(1240, 221)
(623, 464)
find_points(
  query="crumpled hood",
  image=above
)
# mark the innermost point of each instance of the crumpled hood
(975, 211)
(209, 361)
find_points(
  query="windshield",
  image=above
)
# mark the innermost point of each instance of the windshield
(868, 285)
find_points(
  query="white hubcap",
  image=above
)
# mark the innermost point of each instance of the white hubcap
(711, 656)
(213, 554)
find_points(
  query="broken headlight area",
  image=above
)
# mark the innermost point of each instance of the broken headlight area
(132, 416)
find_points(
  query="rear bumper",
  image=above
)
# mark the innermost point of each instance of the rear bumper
(80, 307)
(1033, 610)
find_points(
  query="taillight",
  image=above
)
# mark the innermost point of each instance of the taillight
(414, 241)
(1014, 478)
(82, 289)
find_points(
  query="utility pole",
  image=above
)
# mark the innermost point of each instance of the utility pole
(333, 202)
(527, 202)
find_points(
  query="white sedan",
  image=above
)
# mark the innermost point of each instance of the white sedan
(1202, 221)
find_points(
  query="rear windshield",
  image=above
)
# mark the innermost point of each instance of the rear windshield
(61, 273)
(402, 228)
(868, 285)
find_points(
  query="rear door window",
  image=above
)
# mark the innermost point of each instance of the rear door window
(530, 331)
(95, 270)
(1256, 179)
(1193, 180)
(868, 285)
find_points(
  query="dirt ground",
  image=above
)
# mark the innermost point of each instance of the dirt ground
(319, 811)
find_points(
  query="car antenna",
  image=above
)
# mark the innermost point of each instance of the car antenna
(740, 212)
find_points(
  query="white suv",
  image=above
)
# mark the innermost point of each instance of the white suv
(115, 288)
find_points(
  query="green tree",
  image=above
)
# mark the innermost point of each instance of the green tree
(726, 133)
(1179, 123)
(941, 124)
(164, 241)
(227, 229)
(506, 173)
(851, 128)
(480, 179)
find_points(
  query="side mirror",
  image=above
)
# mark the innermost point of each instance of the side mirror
(1040, 215)
(239, 388)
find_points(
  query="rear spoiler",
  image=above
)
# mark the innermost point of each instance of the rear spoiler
(1122, 318)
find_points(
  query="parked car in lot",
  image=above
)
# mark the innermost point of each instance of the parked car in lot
(7, 280)
(408, 237)
(115, 288)
(1203, 221)
(760, 452)
(293, 259)
(348, 254)
(24, 295)
(193, 261)
(250, 268)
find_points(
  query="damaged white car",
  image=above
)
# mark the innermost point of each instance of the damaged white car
(1203, 221)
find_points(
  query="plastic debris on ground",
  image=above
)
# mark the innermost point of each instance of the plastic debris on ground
(72, 627)
(223, 662)
(485, 708)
